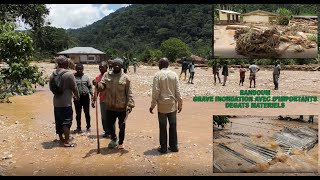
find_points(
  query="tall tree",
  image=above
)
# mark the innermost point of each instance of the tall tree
(50, 40)
(32, 14)
(174, 48)
(140, 25)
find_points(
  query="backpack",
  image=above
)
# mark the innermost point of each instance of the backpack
(56, 83)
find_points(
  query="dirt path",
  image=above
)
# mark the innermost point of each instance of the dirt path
(28, 141)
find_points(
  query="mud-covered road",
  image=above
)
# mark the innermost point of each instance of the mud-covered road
(28, 144)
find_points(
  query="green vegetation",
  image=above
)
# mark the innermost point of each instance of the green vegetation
(284, 16)
(16, 50)
(220, 120)
(31, 14)
(313, 37)
(136, 27)
(50, 40)
(174, 48)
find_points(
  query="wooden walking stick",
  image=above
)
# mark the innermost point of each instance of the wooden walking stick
(97, 124)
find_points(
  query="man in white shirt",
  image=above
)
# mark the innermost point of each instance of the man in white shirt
(253, 70)
(166, 95)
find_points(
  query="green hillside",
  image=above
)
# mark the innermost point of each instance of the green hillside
(134, 28)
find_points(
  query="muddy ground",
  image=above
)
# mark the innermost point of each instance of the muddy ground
(260, 131)
(29, 147)
(224, 46)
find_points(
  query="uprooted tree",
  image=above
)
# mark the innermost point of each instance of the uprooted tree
(16, 51)
(256, 43)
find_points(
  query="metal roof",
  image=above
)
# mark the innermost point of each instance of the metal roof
(81, 50)
(256, 11)
(229, 12)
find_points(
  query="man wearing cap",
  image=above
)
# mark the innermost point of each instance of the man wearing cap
(63, 102)
(118, 100)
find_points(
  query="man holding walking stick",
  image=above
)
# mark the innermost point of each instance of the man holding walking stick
(118, 100)
(103, 68)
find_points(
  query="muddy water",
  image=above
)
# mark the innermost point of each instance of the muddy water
(261, 131)
(29, 145)
(224, 46)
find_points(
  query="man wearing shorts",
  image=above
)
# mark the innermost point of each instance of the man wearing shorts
(63, 102)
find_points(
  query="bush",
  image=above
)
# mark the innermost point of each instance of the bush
(220, 120)
(150, 55)
(313, 37)
(174, 48)
(17, 51)
(284, 16)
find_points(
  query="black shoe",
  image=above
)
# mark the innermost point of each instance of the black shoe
(174, 149)
(77, 131)
(162, 150)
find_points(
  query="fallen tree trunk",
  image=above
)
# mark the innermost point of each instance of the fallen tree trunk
(298, 38)
(316, 69)
(313, 27)
(284, 38)
(236, 27)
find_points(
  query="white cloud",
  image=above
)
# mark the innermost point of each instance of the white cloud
(76, 15)
(125, 5)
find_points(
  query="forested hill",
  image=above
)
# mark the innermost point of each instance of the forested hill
(133, 28)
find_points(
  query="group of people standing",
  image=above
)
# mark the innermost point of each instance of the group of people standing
(114, 89)
(253, 68)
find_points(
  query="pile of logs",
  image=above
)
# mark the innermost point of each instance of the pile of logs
(296, 33)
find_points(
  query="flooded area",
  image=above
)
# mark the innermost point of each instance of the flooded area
(29, 146)
(251, 144)
(225, 46)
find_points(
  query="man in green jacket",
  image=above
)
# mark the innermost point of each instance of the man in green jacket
(118, 100)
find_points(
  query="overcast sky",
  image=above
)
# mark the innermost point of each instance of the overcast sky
(78, 15)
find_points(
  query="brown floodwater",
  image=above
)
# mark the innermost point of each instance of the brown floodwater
(29, 145)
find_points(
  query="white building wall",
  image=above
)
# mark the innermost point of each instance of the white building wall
(223, 16)
(256, 18)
